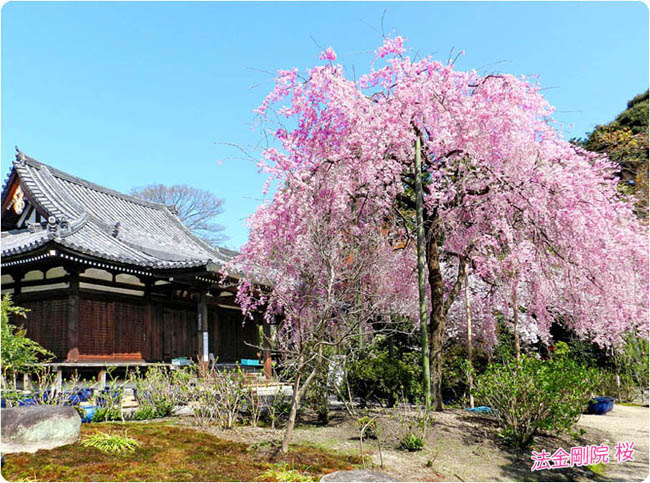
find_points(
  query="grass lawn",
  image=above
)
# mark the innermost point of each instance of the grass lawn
(170, 453)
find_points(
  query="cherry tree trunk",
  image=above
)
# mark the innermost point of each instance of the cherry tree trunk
(292, 414)
(437, 320)
(470, 370)
(298, 393)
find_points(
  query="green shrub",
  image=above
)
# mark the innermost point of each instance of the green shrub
(632, 364)
(12, 396)
(414, 423)
(620, 386)
(161, 388)
(111, 443)
(253, 406)
(144, 413)
(278, 409)
(504, 350)
(220, 397)
(282, 472)
(585, 353)
(367, 426)
(17, 352)
(386, 380)
(107, 414)
(455, 369)
(531, 395)
(411, 442)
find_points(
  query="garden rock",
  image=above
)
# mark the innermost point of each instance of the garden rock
(183, 411)
(357, 475)
(30, 428)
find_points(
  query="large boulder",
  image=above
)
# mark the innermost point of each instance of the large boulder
(357, 475)
(30, 428)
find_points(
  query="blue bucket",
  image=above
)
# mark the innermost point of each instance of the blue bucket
(89, 412)
(600, 405)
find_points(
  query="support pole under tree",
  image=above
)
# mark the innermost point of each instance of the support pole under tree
(470, 375)
(268, 370)
(515, 309)
(422, 287)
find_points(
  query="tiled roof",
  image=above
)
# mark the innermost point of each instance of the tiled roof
(94, 220)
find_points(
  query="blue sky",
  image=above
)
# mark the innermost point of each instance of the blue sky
(127, 94)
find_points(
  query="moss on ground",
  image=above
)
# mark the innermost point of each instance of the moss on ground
(168, 453)
(632, 404)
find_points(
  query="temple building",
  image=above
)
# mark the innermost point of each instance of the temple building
(110, 278)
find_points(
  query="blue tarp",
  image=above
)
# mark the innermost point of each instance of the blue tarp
(480, 409)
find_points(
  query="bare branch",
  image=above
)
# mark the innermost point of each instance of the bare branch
(196, 208)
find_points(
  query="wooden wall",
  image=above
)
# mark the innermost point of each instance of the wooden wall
(127, 329)
(229, 337)
(47, 324)
(179, 332)
(111, 329)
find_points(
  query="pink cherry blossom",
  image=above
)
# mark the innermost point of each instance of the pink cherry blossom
(532, 213)
(391, 46)
(328, 54)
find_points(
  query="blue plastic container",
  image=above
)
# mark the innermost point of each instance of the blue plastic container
(30, 401)
(600, 405)
(72, 400)
(79, 396)
(42, 397)
(89, 412)
(84, 394)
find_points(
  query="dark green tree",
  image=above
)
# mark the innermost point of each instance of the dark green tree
(18, 352)
(625, 141)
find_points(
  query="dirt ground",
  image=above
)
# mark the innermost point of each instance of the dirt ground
(462, 446)
(624, 423)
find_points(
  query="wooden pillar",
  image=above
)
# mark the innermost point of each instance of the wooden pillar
(58, 384)
(27, 382)
(203, 337)
(268, 370)
(74, 316)
(216, 332)
(147, 342)
(18, 277)
(101, 378)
